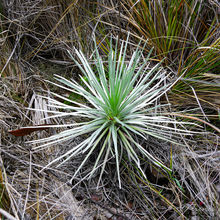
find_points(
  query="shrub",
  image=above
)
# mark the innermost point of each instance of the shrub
(118, 109)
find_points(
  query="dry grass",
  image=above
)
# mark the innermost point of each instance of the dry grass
(33, 35)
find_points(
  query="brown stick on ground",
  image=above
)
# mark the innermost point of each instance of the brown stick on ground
(197, 119)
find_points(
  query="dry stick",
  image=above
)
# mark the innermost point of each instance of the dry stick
(197, 99)
(38, 202)
(197, 119)
(9, 58)
(7, 215)
(28, 188)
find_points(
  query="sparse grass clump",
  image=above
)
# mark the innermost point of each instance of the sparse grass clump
(186, 34)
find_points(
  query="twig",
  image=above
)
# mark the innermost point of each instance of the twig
(197, 119)
(7, 215)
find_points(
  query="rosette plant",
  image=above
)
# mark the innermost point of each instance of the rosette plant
(120, 109)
